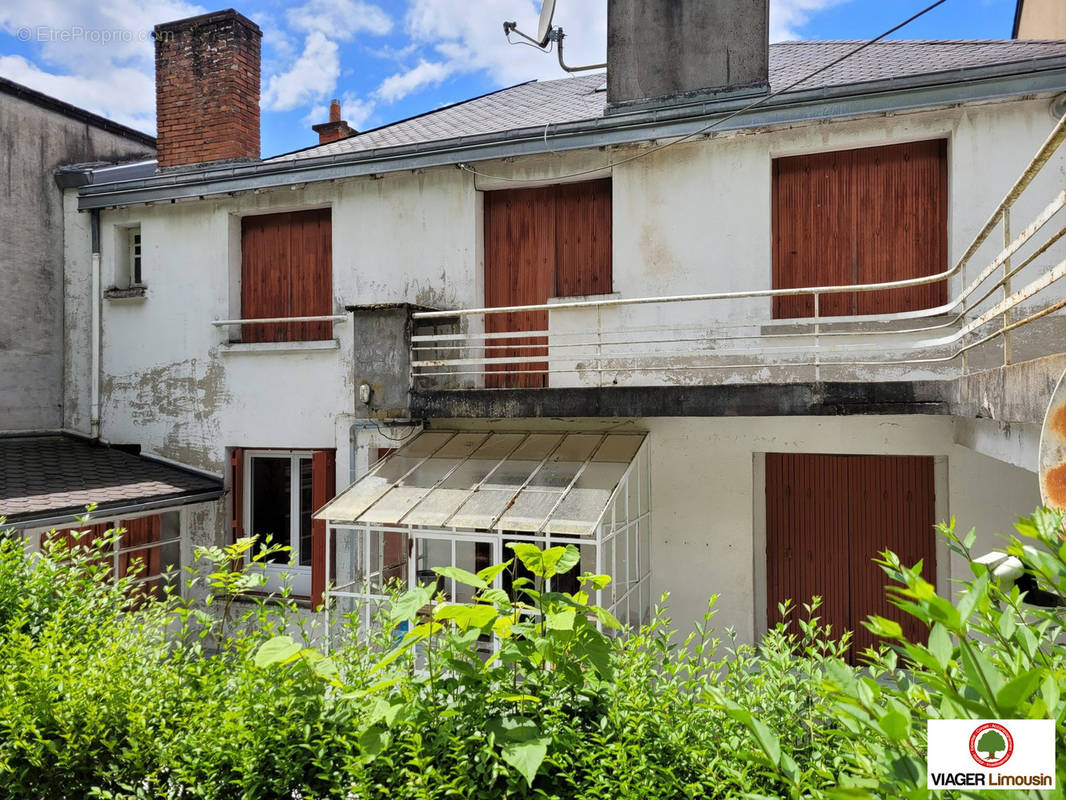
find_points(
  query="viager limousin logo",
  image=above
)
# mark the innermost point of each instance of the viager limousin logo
(991, 753)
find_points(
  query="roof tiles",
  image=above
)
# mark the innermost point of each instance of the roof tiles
(54, 475)
(575, 99)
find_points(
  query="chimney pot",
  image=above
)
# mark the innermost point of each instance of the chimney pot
(336, 129)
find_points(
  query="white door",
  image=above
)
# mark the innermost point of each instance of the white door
(278, 505)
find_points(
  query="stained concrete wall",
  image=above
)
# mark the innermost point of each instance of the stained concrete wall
(663, 48)
(35, 141)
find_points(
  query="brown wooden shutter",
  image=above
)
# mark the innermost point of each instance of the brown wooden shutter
(323, 489)
(860, 216)
(828, 517)
(552, 241)
(236, 467)
(286, 271)
(583, 238)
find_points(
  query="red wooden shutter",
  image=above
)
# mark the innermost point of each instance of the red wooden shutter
(807, 551)
(286, 271)
(901, 224)
(323, 489)
(860, 216)
(583, 238)
(312, 274)
(827, 519)
(519, 270)
(236, 472)
(552, 241)
(892, 507)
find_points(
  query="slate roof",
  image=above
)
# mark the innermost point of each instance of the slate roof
(53, 475)
(576, 99)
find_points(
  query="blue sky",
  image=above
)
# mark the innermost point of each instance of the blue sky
(385, 60)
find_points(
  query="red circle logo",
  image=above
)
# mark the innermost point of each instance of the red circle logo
(991, 745)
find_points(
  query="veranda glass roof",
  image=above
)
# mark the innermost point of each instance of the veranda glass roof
(555, 483)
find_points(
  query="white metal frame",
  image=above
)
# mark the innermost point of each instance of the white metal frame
(621, 543)
(912, 338)
(279, 575)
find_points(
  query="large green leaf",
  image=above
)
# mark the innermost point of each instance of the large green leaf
(526, 757)
(460, 575)
(278, 650)
(1019, 689)
(940, 645)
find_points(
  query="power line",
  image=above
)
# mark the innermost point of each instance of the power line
(727, 117)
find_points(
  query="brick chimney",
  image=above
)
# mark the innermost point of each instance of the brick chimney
(669, 51)
(207, 89)
(336, 129)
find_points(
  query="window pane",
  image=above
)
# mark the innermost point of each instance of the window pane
(306, 508)
(271, 511)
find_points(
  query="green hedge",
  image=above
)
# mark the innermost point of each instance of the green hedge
(108, 698)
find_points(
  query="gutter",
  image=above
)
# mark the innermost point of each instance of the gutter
(57, 520)
(618, 128)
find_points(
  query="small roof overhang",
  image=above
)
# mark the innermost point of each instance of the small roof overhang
(553, 483)
(48, 479)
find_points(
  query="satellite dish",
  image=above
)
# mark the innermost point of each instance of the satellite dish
(1052, 457)
(544, 29)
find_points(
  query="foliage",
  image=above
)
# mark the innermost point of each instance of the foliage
(101, 697)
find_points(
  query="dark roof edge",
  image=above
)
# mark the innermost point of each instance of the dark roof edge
(928, 90)
(66, 517)
(1017, 18)
(66, 109)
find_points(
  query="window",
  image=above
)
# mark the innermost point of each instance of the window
(274, 494)
(850, 217)
(133, 236)
(128, 251)
(286, 271)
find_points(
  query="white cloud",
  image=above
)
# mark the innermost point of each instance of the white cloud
(125, 95)
(310, 78)
(339, 19)
(787, 16)
(443, 28)
(425, 74)
(98, 56)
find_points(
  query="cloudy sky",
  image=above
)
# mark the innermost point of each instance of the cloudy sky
(384, 59)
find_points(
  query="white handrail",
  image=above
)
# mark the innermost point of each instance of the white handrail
(218, 323)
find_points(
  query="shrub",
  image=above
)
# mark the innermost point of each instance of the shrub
(101, 697)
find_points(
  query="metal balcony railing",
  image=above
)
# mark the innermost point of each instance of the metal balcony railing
(722, 337)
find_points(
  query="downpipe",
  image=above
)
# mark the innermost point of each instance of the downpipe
(94, 305)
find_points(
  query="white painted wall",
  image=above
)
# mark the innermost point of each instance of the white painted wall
(693, 218)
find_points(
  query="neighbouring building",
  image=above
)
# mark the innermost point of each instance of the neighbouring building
(1040, 19)
(580, 310)
(51, 469)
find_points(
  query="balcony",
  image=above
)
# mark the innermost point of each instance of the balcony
(1004, 306)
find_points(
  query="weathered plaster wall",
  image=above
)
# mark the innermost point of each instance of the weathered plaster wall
(35, 141)
(693, 218)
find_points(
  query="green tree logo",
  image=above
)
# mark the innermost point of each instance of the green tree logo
(991, 744)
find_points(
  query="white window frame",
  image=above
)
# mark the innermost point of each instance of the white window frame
(135, 251)
(279, 575)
